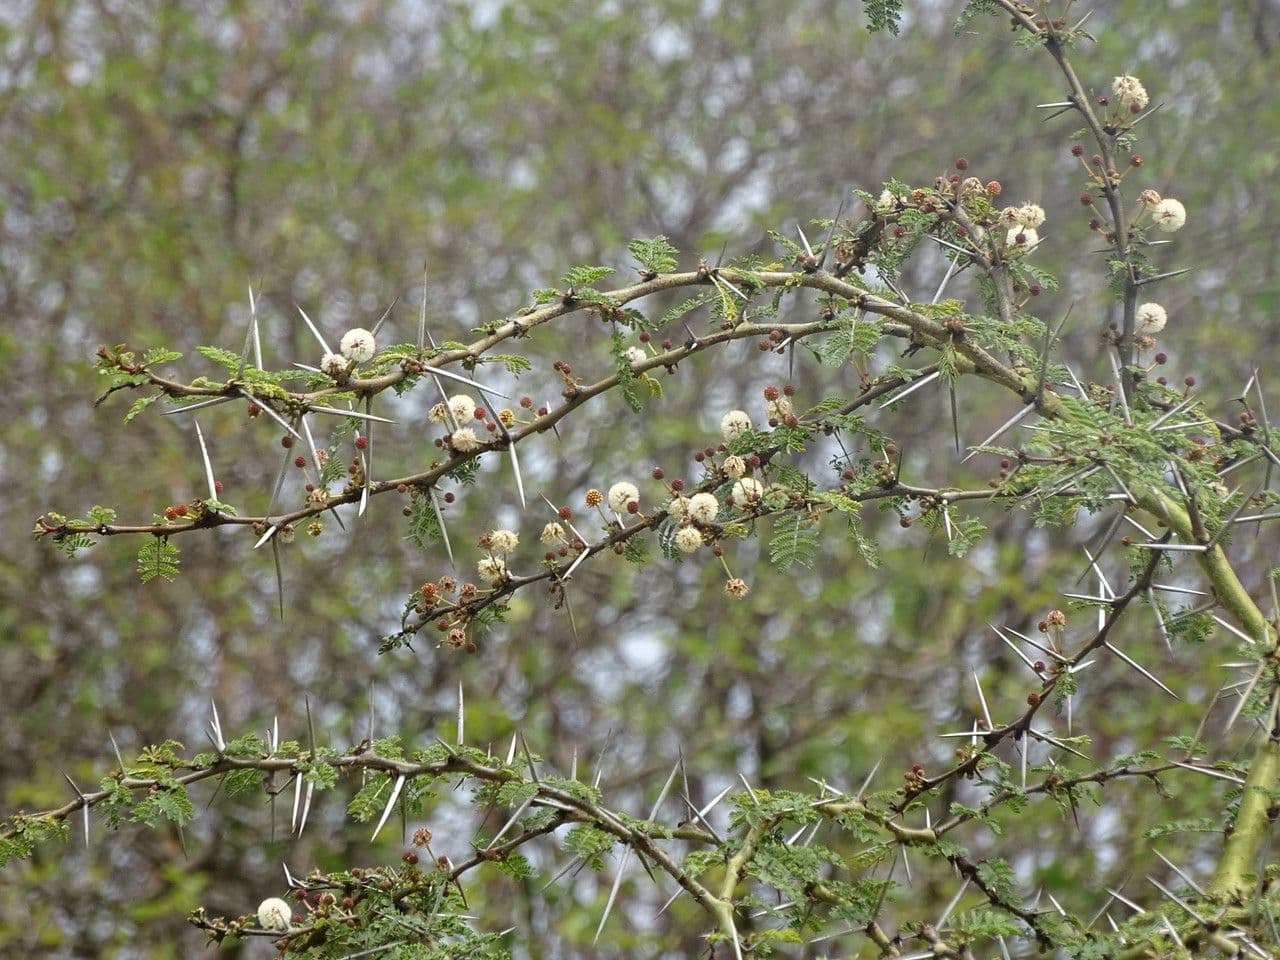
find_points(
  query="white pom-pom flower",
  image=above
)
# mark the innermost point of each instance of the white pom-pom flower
(1151, 318)
(688, 539)
(492, 569)
(274, 914)
(703, 507)
(463, 407)
(733, 423)
(464, 440)
(1169, 215)
(747, 490)
(503, 542)
(358, 345)
(636, 355)
(678, 507)
(620, 494)
(334, 364)
(1022, 239)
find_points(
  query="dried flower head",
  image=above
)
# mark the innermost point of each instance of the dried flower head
(1169, 215)
(703, 507)
(733, 423)
(747, 490)
(552, 534)
(737, 588)
(1010, 217)
(503, 542)
(735, 466)
(1031, 215)
(1130, 92)
(358, 344)
(274, 914)
(620, 494)
(492, 569)
(688, 539)
(778, 409)
(1149, 198)
(464, 440)
(334, 364)
(1151, 318)
(438, 413)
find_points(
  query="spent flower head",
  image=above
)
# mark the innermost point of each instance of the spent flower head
(334, 364)
(503, 542)
(1031, 215)
(1130, 93)
(492, 569)
(552, 534)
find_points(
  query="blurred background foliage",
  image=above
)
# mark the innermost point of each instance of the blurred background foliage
(157, 157)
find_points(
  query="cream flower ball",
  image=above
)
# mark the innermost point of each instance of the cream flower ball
(358, 345)
(1151, 318)
(733, 423)
(688, 539)
(621, 494)
(274, 914)
(703, 507)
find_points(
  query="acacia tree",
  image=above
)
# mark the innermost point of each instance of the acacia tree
(763, 868)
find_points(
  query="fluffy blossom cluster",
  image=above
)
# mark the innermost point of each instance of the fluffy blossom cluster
(1151, 318)
(1022, 224)
(358, 345)
(334, 364)
(703, 507)
(501, 542)
(464, 440)
(274, 914)
(621, 494)
(688, 539)
(1169, 215)
(733, 423)
(747, 490)
(492, 569)
(1130, 93)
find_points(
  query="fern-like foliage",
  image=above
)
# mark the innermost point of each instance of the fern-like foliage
(157, 558)
(794, 542)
